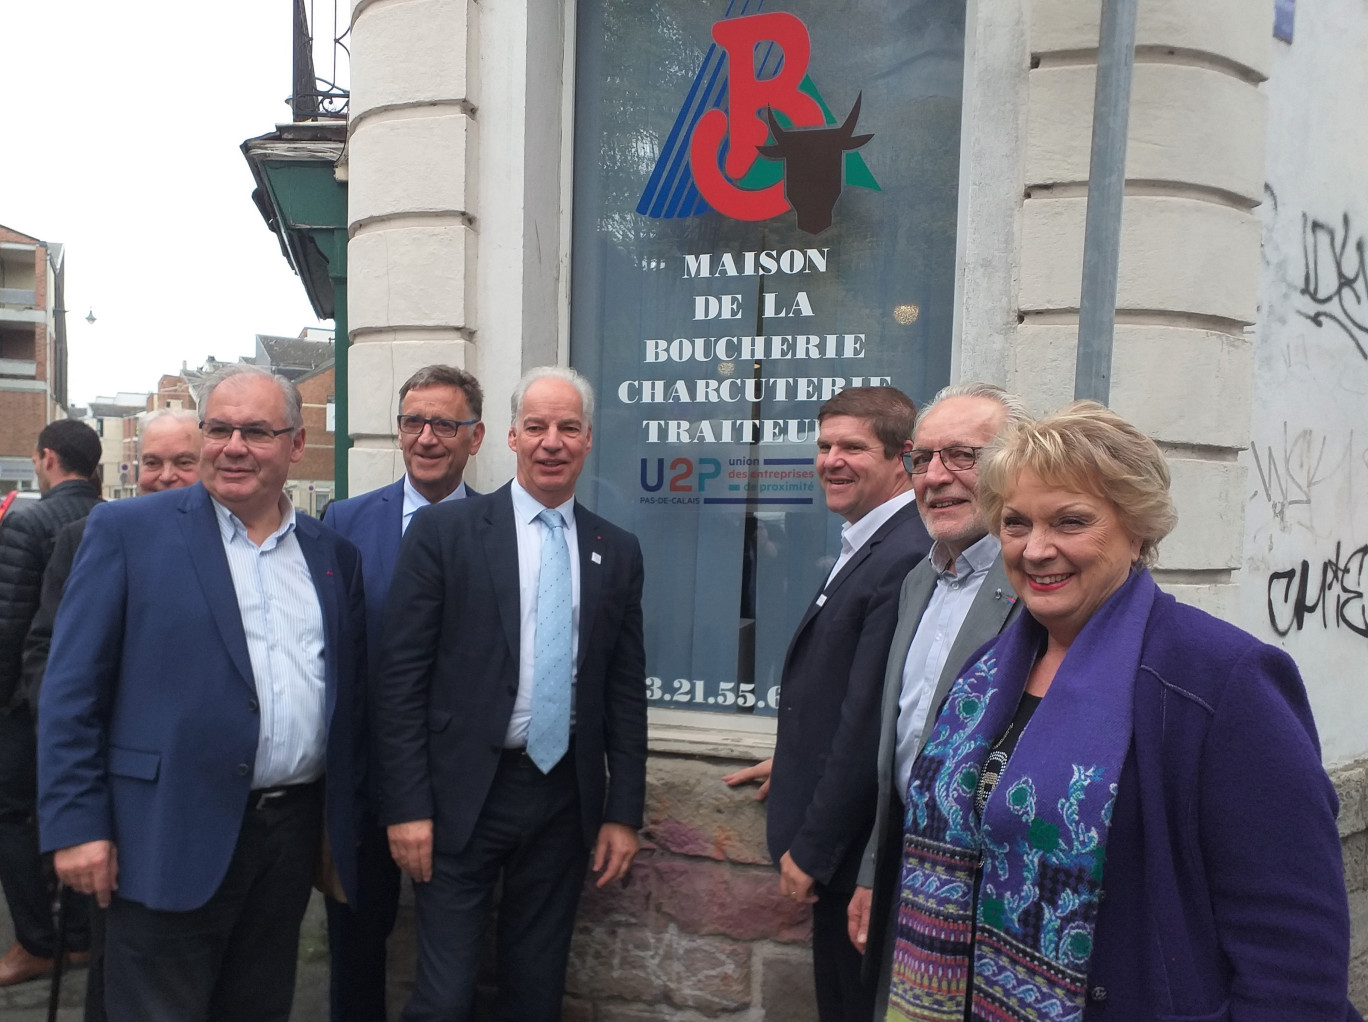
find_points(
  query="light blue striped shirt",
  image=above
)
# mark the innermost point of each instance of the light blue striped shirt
(957, 584)
(283, 621)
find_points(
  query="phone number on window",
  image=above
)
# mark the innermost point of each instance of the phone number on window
(718, 695)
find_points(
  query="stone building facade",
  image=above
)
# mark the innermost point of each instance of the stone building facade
(1239, 346)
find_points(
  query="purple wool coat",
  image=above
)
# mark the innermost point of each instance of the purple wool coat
(1223, 896)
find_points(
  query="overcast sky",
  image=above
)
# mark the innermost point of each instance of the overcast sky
(120, 138)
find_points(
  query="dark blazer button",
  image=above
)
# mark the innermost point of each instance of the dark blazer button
(1098, 993)
(252, 705)
(243, 769)
(512, 690)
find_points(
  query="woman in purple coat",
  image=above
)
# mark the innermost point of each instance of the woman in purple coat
(1121, 813)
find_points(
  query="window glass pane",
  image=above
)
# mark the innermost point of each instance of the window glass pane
(720, 293)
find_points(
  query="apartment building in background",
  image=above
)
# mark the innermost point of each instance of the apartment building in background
(33, 351)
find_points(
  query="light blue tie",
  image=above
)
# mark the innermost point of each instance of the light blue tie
(548, 733)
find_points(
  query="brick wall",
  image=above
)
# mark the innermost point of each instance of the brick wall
(317, 463)
(23, 414)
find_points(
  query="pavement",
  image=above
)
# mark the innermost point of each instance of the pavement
(28, 1002)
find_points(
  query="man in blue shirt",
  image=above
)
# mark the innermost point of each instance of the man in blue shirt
(439, 428)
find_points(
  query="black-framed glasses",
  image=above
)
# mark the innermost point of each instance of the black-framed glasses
(444, 428)
(956, 458)
(253, 434)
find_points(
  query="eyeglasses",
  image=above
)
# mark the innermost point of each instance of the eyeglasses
(956, 459)
(444, 428)
(252, 435)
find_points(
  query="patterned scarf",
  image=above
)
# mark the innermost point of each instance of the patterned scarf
(1012, 900)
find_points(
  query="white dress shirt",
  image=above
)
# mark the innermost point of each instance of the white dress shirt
(283, 622)
(531, 534)
(856, 534)
(957, 583)
(415, 501)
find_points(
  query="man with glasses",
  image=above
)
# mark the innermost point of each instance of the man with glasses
(950, 604)
(439, 429)
(821, 794)
(187, 795)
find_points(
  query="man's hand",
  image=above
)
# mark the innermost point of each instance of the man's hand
(857, 918)
(614, 851)
(793, 882)
(411, 845)
(760, 772)
(91, 868)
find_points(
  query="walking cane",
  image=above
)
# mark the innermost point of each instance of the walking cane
(58, 953)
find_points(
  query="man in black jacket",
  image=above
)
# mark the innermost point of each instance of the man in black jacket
(67, 455)
(824, 785)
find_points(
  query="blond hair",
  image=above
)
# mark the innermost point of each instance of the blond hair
(1087, 447)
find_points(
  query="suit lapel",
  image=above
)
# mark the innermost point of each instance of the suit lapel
(199, 526)
(991, 607)
(392, 527)
(590, 543)
(322, 569)
(500, 543)
(849, 568)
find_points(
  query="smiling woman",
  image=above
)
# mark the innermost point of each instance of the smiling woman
(1147, 778)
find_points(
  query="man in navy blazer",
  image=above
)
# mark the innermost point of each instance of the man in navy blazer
(823, 782)
(204, 675)
(439, 428)
(511, 714)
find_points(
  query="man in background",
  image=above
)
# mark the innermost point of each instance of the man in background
(67, 455)
(439, 429)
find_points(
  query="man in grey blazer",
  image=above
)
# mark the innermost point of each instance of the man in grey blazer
(951, 603)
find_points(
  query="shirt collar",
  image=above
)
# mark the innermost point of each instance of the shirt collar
(857, 533)
(231, 525)
(413, 500)
(526, 507)
(978, 557)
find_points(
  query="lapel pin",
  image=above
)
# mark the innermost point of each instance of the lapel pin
(997, 594)
(596, 558)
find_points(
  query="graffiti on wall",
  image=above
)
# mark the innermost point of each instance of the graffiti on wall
(1329, 595)
(1335, 279)
(1291, 472)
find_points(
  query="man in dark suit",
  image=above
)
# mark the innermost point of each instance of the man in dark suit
(66, 457)
(439, 429)
(950, 604)
(190, 802)
(511, 714)
(822, 786)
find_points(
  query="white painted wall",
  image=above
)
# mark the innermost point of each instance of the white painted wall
(1308, 454)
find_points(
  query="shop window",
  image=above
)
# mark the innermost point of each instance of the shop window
(764, 214)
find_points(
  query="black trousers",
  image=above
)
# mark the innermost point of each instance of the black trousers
(357, 933)
(842, 995)
(529, 833)
(28, 887)
(233, 958)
